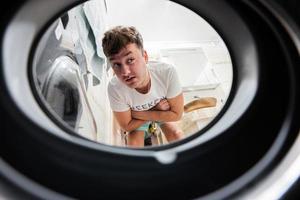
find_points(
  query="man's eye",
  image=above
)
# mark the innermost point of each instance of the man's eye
(130, 60)
(116, 65)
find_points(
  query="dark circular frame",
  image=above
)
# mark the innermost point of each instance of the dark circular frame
(256, 129)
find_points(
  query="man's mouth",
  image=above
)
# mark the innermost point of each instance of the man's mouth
(129, 78)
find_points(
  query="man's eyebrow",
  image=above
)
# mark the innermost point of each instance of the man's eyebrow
(129, 52)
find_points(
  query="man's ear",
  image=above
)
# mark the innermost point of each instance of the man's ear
(145, 54)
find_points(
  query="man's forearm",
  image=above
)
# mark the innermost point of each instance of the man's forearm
(134, 124)
(165, 116)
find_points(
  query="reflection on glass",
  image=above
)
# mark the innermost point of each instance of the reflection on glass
(64, 91)
(72, 73)
(61, 90)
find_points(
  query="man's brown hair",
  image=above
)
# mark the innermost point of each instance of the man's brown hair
(118, 37)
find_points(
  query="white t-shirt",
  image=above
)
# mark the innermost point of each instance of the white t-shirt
(164, 84)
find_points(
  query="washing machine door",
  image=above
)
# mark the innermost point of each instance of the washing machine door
(251, 150)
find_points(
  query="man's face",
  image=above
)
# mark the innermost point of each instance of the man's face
(129, 65)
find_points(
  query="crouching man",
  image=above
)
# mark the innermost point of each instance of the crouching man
(141, 91)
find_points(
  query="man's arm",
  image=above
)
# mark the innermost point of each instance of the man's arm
(173, 114)
(126, 122)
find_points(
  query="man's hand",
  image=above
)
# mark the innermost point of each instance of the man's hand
(167, 110)
(163, 105)
(126, 122)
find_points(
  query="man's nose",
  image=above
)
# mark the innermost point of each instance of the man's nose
(125, 70)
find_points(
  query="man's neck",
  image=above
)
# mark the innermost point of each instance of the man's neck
(146, 85)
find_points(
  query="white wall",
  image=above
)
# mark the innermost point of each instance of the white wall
(160, 20)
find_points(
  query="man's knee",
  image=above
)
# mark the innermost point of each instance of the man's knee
(136, 139)
(171, 128)
(178, 134)
(135, 143)
(173, 134)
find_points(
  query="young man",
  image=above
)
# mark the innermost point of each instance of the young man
(141, 92)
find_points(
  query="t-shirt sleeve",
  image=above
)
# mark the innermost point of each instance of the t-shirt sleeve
(117, 102)
(174, 85)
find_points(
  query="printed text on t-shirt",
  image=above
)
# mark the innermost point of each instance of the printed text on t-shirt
(147, 106)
